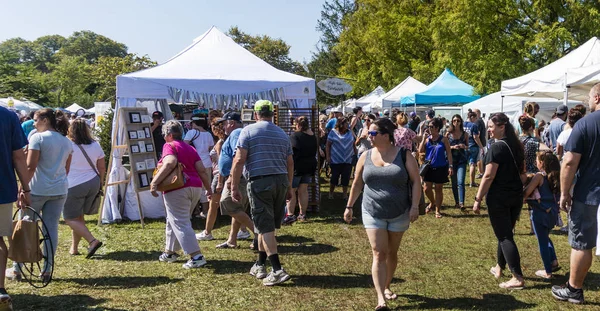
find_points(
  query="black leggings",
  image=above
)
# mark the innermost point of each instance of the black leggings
(343, 169)
(504, 210)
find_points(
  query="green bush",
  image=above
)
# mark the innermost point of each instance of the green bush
(104, 134)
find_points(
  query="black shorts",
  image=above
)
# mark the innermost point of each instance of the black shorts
(438, 175)
(343, 170)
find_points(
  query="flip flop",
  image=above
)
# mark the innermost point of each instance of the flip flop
(493, 272)
(389, 295)
(507, 285)
(92, 250)
(226, 245)
(438, 215)
(382, 308)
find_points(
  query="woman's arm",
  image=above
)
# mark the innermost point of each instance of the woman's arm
(203, 176)
(448, 151)
(559, 150)
(413, 173)
(422, 144)
(168, 164)
(101, 167)
(33, 158)
(536, 182)
(486, 181)
(68, 164)
(328, 151)
(357, 186)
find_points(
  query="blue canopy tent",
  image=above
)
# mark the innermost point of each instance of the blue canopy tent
(447, 89)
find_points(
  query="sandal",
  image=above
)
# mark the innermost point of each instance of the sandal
(493, 272)
(542, 274)
(556, 268)
(438, 215)
(428, 209)
(226, 245)
(92, 249)
(389, 295)
(382, 308)
(509, 285)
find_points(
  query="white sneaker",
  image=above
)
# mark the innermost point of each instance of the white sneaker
(276, 277)
(242, 235)
(13, 274)
(259, 271)
(195, 263)
(203, 236)
(164, 257)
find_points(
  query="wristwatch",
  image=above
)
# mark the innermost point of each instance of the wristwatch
(477, 200)
(450, 166)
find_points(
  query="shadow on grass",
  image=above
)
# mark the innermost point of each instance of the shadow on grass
(336, 281)
(59, 302)
(229, 266)
(488, 302)
(118, 282)
(286, 238)
(465, 215)
(129, 256)
(307, 249)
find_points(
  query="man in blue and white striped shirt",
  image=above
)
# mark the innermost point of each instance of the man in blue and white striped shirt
(266, 152)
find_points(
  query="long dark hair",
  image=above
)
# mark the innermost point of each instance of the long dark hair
(461, 125)
(551, 167)
(57, 119)
(386, 126)
(511, 139)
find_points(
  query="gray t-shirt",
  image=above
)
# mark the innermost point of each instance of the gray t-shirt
(50, 177)
(386, 188)
(268, 149)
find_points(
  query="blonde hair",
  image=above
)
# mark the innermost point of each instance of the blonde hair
(401, 119)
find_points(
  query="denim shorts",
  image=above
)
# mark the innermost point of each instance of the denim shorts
(583, 226)
(473, 154)
(398, 224)
(302, 179)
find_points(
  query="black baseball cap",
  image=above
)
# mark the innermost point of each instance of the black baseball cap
(157, 114)
(233, 116)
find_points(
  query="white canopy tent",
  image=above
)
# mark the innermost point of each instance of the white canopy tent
(74, 108)
(20, 105)
(373, 98)
(550, 81)
(214, 72)
(407, 87)
(581, 80)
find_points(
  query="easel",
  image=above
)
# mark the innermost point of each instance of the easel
(125, 112)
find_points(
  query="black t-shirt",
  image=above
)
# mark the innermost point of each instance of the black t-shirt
(585, 140)
(304, 147)
(412, 124)
(159, 141)
(508, 179)
(482, 130)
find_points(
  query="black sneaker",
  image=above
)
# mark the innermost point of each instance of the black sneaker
(289, 219)
(563, 293)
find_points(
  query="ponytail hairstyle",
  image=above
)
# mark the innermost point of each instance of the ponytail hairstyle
(303, 122)
(386, 126)
(512, 140)
(57, 119)
(551, 166)
(530, 108)
(526, 123)
(471, 114)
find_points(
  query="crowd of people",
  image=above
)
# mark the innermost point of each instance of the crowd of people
(397, 159)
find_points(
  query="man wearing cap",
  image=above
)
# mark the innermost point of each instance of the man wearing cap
(386, 113)
(266, 152)
(558, 124)
(429, 115)
(236, 209)
(159, 140)
(412, 123)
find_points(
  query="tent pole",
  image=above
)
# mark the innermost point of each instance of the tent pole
(502, 103)
(566, 100)
(110, 162)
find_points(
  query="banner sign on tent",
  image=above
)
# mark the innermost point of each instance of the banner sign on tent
(100, 108)
(334, 86)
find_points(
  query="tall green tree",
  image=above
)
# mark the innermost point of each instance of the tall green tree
(106, 70)
(91, 46)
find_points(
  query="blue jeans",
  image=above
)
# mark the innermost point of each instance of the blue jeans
(542, 225)
(458, 182)
(50, 208)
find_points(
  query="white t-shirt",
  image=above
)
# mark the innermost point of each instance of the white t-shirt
(564, 137)
(81, 171)
(203, 142)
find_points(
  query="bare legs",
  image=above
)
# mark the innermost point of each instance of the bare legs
(211, 216)
(581, 261)
(3, 259)
(472, 167)
(384, 245)
(301, 197)
(436, 200)
(80, 231)
(239, 219)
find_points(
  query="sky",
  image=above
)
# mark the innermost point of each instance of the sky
(161, 29)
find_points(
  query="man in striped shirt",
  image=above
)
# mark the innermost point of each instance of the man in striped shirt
(266, 152)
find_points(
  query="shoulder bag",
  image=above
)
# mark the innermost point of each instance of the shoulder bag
(194, 138)
(427, 164)
(93, 209)
(173, 180)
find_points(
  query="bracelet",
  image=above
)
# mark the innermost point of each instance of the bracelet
(349, 207)
(477, 200)
(25, 191)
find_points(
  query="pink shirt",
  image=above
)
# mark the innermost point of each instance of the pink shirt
(403, 137)
(188, 156)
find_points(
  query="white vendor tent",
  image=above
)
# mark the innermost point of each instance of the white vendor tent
(407, 87)
(549, 81)
(581, 80)
(214, 72)
(74, 108)
(373, 98)
(20, 105)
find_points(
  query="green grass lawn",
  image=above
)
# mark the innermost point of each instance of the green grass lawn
(443, 265)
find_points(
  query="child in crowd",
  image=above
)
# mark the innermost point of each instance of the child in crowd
(544, 211)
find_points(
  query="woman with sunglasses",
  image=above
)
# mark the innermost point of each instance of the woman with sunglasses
(459, 142)
(387, 206)
(362, 140)
(437, 152)
(502, 182)
(340, 151)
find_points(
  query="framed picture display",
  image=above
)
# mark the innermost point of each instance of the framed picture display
(142, 146)
(146, 119)
(133, 135)
(135, 117)
(140, 166)
(247, 115)
(147, 131)
(135, 149)
(149, 148)
(141, 134)
(144, 181)
(150, 164)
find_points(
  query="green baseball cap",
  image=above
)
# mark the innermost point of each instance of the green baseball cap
(261, 104)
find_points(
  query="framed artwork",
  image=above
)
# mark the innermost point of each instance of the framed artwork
(150, 164)
(135, 149)
(149, 148)
(147, 131)
(140, 166)
(133, 135)
(141, 134)
(135, 117)
(146, 119)
(142, 146)
(247, 115)
(144, 181)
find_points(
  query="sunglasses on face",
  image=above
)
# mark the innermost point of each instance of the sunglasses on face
(455, 120)
(373, 133)
(431, 126)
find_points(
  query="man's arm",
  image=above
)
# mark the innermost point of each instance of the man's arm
(568, 169)
(20, 164)
(241, 155)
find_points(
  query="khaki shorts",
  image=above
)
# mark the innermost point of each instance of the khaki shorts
(228, 207)
(267, 202)
(6, 213)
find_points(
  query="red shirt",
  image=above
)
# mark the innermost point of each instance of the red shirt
(187, 156)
